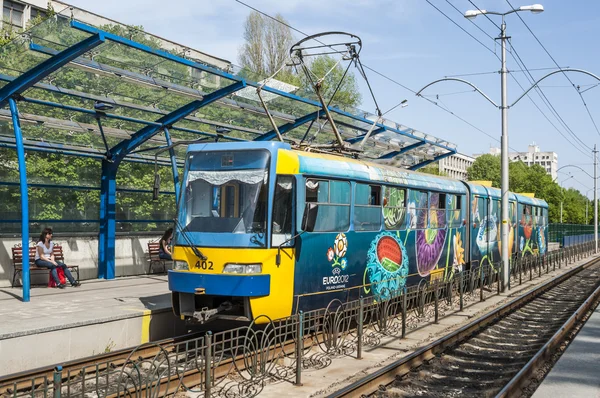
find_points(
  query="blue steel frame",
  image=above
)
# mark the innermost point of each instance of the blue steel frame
(16, 86)
(108, 185)
(8, 93)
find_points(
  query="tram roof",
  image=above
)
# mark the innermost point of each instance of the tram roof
(67, 75)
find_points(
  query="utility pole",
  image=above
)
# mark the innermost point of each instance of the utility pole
(504, 156)
(595, 200)
(561, 202)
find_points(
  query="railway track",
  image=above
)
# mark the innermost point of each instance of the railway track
(496, 354)
(29, 380)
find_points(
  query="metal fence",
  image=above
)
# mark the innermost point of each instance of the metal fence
(556, 232)
(241, 361)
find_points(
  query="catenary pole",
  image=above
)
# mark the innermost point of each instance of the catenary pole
(504, 155)
(595, 200)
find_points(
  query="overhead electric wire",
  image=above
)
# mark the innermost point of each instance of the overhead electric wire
(563, 72)
(547, 102)
(477, 26)
(510, 71)
(539, 93)
(487, 16)
(372, 70)
(460, 27)
(531, 79)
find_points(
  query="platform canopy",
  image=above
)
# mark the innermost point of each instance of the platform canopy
(115, 94)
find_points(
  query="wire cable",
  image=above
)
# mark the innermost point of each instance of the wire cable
(529, 76)
(540, 92)
(374, 71)
(487, 16)
(460, 27)
(563, 72)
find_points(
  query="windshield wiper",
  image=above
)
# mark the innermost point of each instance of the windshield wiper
(184, 232)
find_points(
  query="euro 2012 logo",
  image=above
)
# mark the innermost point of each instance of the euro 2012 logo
(337, 253)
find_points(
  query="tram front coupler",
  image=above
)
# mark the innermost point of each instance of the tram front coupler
(205, 314)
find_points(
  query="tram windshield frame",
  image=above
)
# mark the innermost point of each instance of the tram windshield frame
(225, 198)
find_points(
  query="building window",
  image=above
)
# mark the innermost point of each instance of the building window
(35, 12)
(13, 13)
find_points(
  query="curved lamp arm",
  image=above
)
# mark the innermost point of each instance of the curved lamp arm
(552, 73)
(572, 165)
(461, 81)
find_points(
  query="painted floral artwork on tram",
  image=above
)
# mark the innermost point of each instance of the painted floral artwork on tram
(431, 232)
(528, 226)
(387, 265)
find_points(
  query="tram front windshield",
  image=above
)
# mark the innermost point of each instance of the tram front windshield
(226, 197)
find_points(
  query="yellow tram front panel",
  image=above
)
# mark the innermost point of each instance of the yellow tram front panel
(276, 304)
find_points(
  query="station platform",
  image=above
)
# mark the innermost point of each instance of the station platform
(577, 372)
(99, 316)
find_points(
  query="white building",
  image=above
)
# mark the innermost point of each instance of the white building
(18, 13)
(548, 160)
(456, 166)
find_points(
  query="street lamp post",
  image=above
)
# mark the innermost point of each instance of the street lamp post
(595, 179)
(536, 8)
(562, 196)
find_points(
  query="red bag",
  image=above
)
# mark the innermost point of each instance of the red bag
(61, 277)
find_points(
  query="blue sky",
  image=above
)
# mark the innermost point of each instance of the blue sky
(414, 44)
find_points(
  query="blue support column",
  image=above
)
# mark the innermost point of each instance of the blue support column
(106, 239)
(108, 186)
(173, 166)
(24, 196)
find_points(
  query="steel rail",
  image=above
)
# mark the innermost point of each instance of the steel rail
(521, 379)
(23, 379)
(389, 373)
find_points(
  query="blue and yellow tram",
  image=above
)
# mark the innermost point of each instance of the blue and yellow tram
(266, 230)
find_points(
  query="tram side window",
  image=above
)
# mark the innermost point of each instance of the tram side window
(367, 208)
(453, 203)
(437, 210)
(333, 200)
(418, 210)
(283, 211)
(527, 215)
(394, 208)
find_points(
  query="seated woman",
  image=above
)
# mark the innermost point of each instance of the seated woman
(163, 249)
(44, 257)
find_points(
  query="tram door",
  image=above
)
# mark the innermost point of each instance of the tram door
(479, 231)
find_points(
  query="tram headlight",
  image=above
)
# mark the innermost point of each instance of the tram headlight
(180, 265)
(242, 269)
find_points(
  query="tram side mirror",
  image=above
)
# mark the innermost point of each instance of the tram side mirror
(156, 187)
(309, 218)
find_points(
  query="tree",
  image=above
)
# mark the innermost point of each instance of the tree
(533, 179)
(347, 94)
(266, 47)
(485, 168)
(433, 169)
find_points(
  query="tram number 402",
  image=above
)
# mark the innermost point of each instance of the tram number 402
(204, 265)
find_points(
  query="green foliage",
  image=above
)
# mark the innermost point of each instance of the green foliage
(433, 169)
(266, 50)
(347, 94)
(534, 179)
(77, 179)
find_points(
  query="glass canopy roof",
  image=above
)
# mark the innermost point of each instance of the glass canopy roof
(145, 89)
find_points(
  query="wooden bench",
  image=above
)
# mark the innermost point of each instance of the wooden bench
(17, 258)
(153, 258)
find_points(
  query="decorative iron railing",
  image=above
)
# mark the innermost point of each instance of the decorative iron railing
(241, 361)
